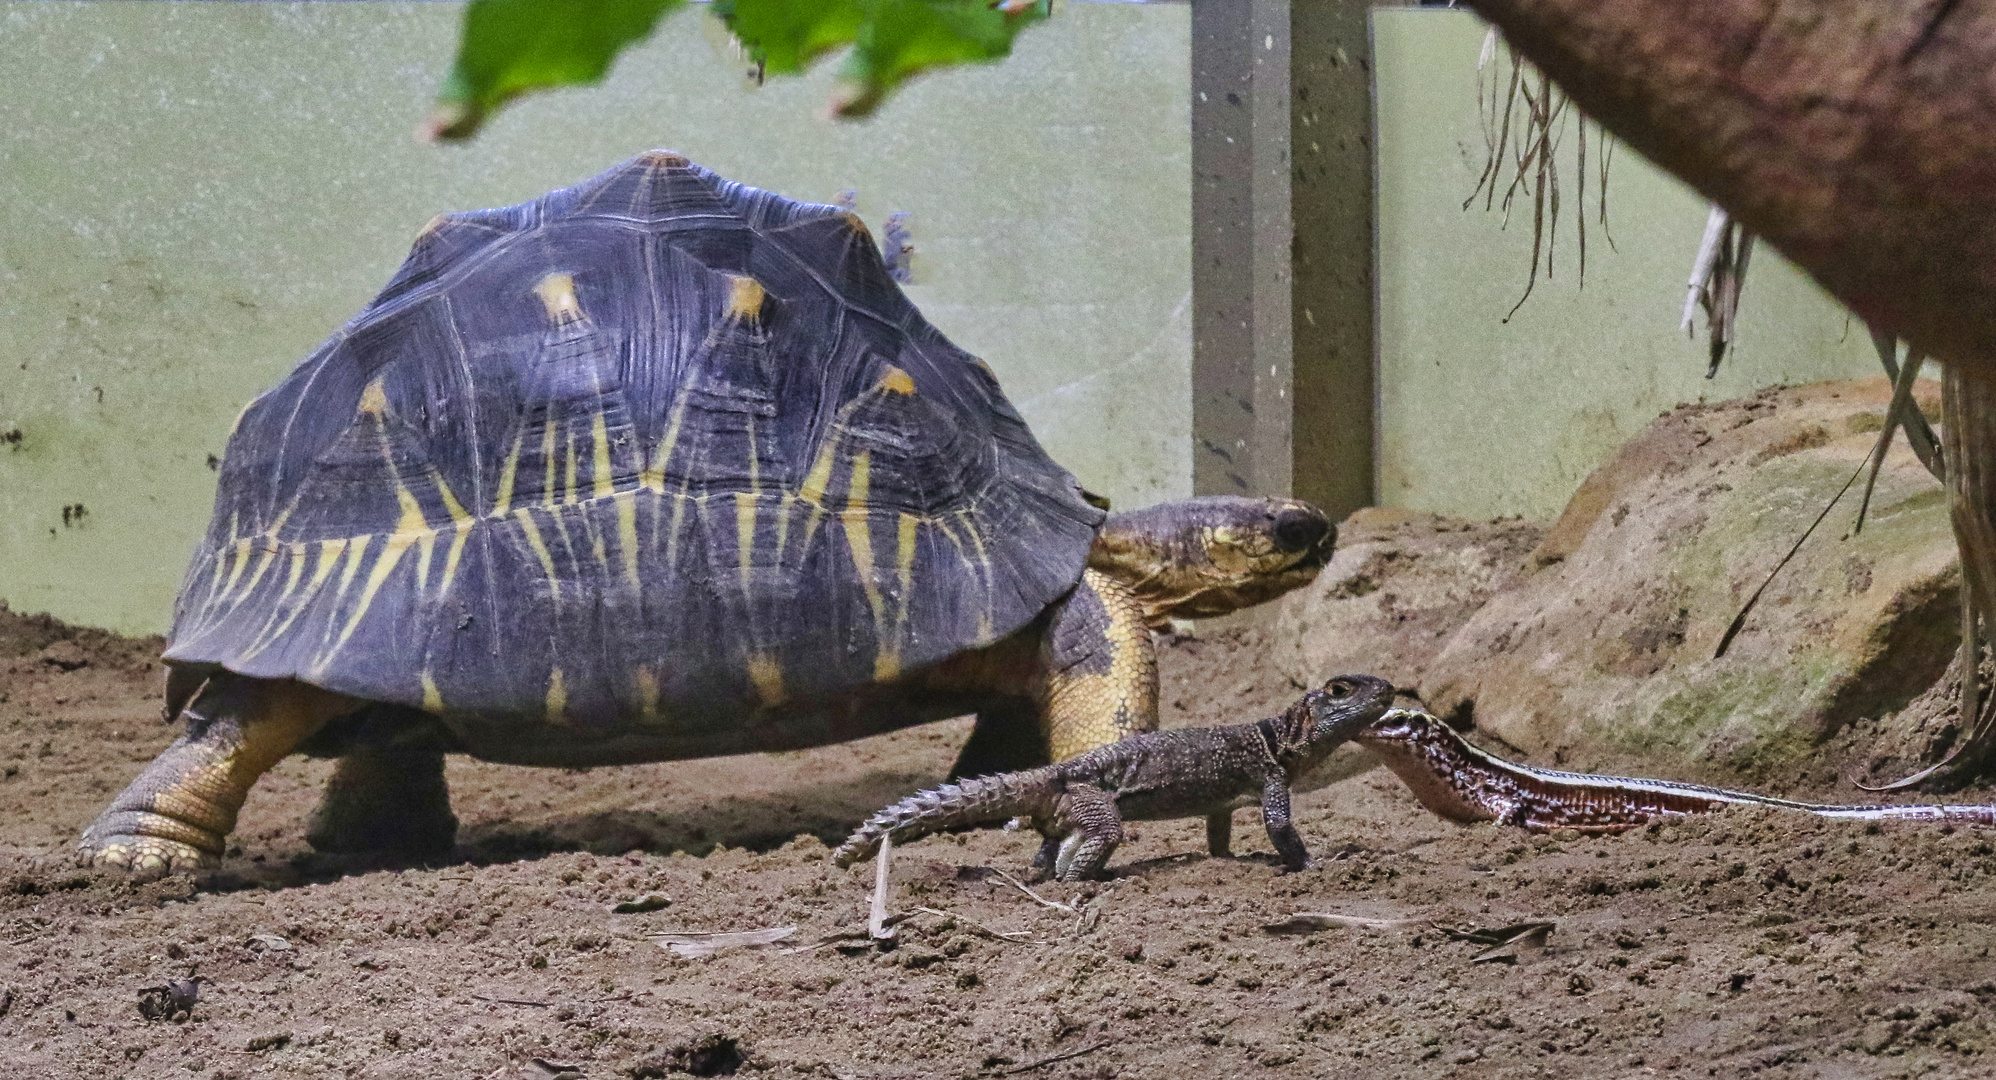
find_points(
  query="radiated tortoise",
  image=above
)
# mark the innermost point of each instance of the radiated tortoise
(658, 466)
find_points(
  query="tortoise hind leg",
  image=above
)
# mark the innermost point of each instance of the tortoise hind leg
(386, 799)
(1007, 738)
(178, 814)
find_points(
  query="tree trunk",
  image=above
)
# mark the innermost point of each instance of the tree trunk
(1968, 413)
(1856, 136)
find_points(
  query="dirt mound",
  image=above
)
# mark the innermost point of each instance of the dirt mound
(1402, 584)
(49, 641)
(1746, 944)
(1606, 656)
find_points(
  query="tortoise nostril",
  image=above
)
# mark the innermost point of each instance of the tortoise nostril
(1299, 530)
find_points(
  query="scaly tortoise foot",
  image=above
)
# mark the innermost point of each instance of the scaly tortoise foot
(133, 842)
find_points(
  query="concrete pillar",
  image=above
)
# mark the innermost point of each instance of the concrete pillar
(1282, 250)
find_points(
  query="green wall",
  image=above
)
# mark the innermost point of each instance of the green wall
(1481, 418)
(192, 195)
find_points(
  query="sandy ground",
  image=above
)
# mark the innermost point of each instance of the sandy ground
(1744, 944)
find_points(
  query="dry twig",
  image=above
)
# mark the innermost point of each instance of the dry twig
(1900, 414)
(1021, 886)
(1016, 937)
(844, 937)
(1310, 922)
(1895, 417)
(1505, 941)
(1046, 1061)
(1718, 274)
(1739, 620)
(692, 945)
(1919, 434)
(877, 926)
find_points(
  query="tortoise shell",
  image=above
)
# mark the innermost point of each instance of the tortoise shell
(654, 444)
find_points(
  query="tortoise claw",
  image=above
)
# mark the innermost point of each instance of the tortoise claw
(147, 845)
(146, 858)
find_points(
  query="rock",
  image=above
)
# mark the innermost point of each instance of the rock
(175, 998)
(64, 656)
(1605, 654)
(1401, 584)
(710, 1055)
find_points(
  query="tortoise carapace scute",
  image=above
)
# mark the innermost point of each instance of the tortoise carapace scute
(596, 456)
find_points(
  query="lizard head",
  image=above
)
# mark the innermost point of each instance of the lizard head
(1213, 554)
(1325, 718)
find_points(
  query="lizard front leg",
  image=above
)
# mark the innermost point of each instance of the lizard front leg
(1281, 831)
(1220, 833)
(1050, 844)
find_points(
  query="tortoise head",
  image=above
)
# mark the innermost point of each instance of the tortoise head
(1213, 554)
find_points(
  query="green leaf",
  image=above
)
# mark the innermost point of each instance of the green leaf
(513, 47)
(785, 36)
(903, 38)
(892, 40)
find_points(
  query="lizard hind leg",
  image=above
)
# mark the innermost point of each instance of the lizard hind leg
(178, 814)
(1093, 829)
(1048, 856)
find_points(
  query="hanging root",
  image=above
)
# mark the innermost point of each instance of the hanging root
(1968, 410)
(1718, 275)
(1522, 130)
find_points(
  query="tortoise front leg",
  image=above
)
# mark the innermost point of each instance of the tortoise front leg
(1101, 669)
(179, 812)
